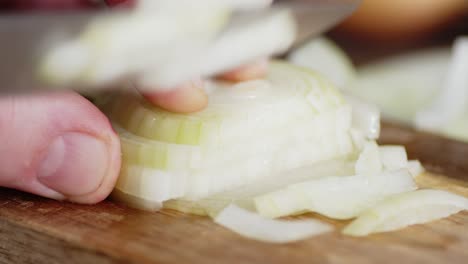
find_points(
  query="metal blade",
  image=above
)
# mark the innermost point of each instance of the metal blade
(25, 37)
(315, 17)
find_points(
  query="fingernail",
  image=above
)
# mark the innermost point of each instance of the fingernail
(186, 98)
(74, 164)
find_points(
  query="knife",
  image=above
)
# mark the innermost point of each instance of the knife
(26, 37)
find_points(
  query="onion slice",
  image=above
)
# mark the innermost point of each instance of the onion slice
(365, 118)
(393, 157)
(335, 197)
(369, 162)
(243, 196)
(256, 227)
(415, 167)
(406, 209)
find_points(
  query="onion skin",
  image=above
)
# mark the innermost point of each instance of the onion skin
(392, 20)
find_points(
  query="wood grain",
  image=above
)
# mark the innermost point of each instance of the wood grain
(38, 230)
(438, 154)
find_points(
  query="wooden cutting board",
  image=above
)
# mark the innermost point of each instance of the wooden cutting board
(37, 230)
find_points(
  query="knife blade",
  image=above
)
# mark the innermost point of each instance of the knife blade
(314, 17)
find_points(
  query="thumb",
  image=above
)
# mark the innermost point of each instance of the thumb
(58, 146)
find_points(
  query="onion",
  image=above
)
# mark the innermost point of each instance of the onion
(230, 145)
(415, 168)
(406, 209)
(254, 226)
(393, 157)
(284, 145)
(244, 196)
(369, 162)
(336, 197)
(366, 117)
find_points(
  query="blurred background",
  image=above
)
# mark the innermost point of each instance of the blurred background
(385, 27)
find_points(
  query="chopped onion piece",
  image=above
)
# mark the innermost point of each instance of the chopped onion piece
(243, 196)
(369, 162)
(406, 209)
(415, 167)
(366, 117)
(358, 138)
(254, 226)
(393, 157)
(336, 197)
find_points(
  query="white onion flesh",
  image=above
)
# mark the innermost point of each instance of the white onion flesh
(393, 157)
(216, 177)
(230, 145)
(406, 209)
(415, 167)
(336, 197)
(254, 226)
(244, 196)
(366, 117)
(369, 161)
